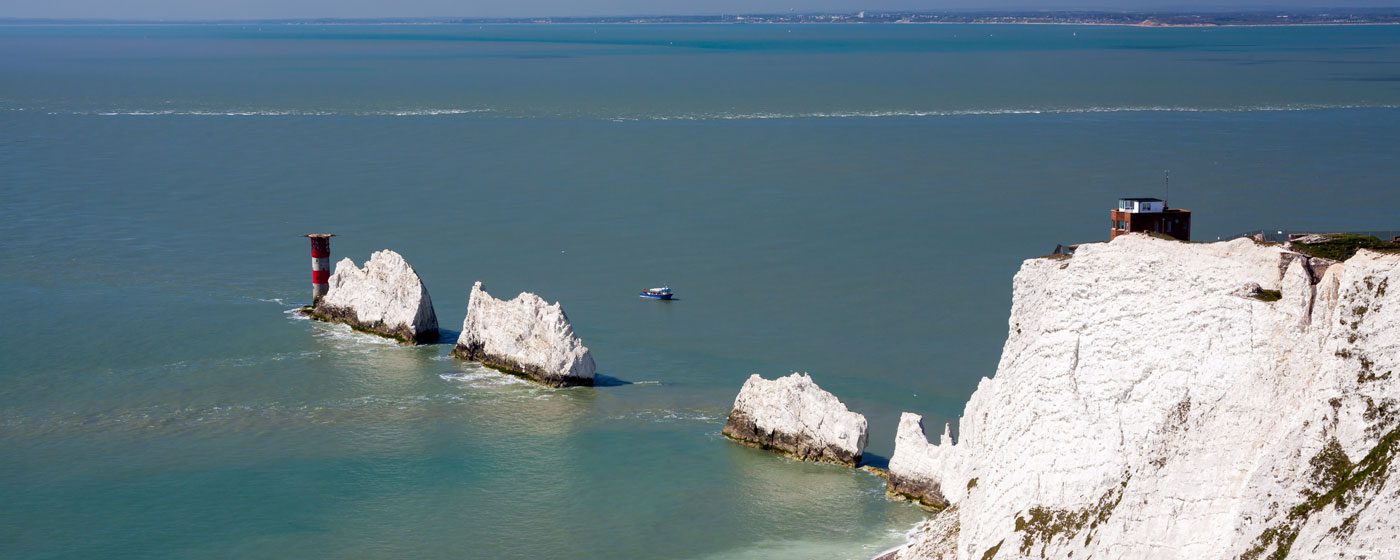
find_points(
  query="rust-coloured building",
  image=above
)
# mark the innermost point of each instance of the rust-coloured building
(1149, 215)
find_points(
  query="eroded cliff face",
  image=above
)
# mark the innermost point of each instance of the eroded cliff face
(1147, 406)
(525, 336)
(792, 415)
(386, 297)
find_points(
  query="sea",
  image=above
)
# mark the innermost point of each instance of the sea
(850, 201)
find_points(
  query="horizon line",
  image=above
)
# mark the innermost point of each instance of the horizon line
(1027, 12)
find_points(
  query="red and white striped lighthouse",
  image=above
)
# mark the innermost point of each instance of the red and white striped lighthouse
(320, 264)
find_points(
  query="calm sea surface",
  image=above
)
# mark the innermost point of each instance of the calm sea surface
(850, 201)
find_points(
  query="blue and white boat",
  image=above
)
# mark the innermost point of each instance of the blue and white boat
(663, 292)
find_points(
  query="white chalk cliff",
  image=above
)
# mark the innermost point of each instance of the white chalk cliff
(385, 297)
(525, 336)
(1150, 403)
(794, 416)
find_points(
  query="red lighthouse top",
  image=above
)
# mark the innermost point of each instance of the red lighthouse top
(320, 244)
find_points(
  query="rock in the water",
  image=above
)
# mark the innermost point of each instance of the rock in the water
(1142, 409)
(526, 337)
(794, 416)
(385, 298)
(914, 469)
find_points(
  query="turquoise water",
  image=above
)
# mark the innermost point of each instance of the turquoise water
(845, 200)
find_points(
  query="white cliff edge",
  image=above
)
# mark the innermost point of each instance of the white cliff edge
(796, 417)
(1151, 403)
(525, 336)
(386, 297)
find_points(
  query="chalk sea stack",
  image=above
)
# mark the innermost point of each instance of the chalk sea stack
(914, 471)
(386, 298)
(793, 416)
(525, 336)
(1145, 406)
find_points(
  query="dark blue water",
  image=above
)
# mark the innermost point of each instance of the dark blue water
(849, 201)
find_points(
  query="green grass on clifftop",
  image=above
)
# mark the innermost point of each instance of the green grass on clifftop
(1343, 246)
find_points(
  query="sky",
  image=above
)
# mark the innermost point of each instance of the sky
(256, 9)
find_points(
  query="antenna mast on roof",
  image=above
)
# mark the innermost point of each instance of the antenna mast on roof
(1167, 180)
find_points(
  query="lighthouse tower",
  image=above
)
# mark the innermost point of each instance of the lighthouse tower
(320, 264)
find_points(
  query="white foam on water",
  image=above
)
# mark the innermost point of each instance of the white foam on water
(344, 337)
(671, 416)
(295, 315)
(484, 378)
(424, 112)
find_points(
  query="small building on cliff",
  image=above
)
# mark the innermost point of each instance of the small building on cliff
(1149, 215)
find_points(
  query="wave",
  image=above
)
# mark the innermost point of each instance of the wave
(344, 338)
(668, 416)
(484, 378)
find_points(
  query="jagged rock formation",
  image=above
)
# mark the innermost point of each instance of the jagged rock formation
(526, 337)
(1146, 406)
(913, 471)
(794, 416)
(385, 297)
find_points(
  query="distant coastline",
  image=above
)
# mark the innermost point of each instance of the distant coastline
(1376, 16)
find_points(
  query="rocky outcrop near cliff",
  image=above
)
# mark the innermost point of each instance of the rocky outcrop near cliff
(386, 297)
(1159, 399)
(792, 415)
(913, 470)
(526, 337)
